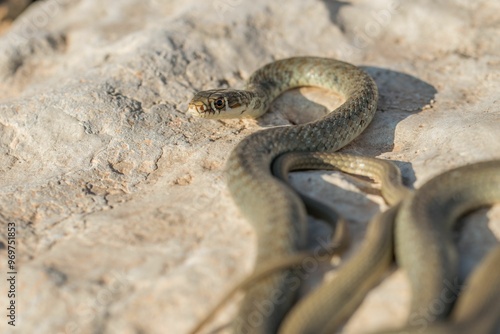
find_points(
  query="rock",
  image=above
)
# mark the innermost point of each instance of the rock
(124, 222)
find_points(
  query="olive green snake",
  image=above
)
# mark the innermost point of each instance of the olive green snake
(423, 248)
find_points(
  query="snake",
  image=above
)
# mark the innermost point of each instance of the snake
(278, 215)
(422, 222)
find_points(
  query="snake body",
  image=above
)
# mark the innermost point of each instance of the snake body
(423, 221)
(277, 214)
(331, 303)
(424, 248)
(424, 240)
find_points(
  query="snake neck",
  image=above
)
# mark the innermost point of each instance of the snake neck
(271, 80)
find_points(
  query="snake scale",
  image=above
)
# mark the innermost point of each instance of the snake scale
(278, 215)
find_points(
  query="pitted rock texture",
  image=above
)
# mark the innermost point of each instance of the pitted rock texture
(124, 222)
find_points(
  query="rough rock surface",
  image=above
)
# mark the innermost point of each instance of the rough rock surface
(124, 223)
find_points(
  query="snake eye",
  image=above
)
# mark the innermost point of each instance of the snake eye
(219, 103)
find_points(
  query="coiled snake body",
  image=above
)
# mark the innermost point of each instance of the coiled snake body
(277, 213)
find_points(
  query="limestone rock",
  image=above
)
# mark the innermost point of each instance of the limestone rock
(124, 223)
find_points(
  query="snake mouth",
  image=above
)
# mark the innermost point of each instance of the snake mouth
(197, 109)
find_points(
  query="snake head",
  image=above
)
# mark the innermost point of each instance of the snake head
(222, 103)
(208, 103)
